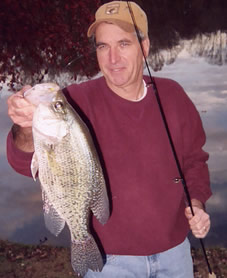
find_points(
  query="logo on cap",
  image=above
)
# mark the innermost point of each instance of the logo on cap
(112, 9)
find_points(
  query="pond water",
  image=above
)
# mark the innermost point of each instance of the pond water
(199, 65)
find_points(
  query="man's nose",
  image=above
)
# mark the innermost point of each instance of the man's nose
(114, 55)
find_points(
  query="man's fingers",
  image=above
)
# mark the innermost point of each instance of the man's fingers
(23, 90)
(199, 223)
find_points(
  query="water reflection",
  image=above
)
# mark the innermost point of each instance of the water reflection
(198, 62)
(212, 47)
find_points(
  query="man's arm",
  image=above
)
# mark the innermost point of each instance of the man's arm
(196, 172)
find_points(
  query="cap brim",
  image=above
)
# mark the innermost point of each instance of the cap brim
(124, 25)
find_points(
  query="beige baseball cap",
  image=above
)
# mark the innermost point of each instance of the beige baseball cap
(117, 12)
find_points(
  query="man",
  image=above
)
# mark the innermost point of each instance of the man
(147, 232)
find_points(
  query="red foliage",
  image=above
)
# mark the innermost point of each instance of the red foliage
(40, 36)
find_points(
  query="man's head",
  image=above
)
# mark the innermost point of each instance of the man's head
(118, 13)
(117, 47)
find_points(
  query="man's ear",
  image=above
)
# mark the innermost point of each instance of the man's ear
(146, 46)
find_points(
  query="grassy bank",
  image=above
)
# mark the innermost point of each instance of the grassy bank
(43, 261)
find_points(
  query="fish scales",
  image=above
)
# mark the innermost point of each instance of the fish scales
(70, 174)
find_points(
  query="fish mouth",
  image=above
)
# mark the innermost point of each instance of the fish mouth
(41, 93)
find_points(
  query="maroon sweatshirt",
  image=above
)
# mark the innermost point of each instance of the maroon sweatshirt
(147, 203)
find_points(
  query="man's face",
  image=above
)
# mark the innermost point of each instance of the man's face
(119, 55)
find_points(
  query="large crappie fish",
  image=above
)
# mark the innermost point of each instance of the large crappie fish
(69, 170)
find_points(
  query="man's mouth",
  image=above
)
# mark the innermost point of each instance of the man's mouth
(116, 69)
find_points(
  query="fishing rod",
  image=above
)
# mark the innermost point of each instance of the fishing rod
(182, 179)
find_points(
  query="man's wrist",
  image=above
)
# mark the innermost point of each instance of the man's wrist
(198, 204)
(23, 138)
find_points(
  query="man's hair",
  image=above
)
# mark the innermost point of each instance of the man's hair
(93, 41)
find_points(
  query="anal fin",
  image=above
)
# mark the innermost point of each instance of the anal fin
(54, 223)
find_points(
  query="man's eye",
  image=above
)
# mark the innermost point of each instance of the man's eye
(123, 44)
(100, 46)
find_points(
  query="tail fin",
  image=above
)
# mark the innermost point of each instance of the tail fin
(85, 255)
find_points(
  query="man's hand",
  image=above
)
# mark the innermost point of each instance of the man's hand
(21, 111)
(200, 222)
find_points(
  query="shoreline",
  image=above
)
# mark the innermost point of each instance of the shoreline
(35, 261)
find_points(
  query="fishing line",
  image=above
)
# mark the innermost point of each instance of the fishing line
(153, 84)
(91, 52)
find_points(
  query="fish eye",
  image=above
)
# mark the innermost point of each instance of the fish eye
(58, 106)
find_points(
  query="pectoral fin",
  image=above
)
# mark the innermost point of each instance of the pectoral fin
(34, 166)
